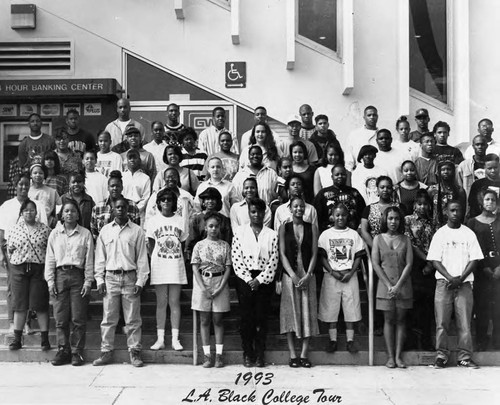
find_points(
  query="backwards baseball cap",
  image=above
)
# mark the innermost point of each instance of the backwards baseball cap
(421, 112)
(294, 118)
(131, 130)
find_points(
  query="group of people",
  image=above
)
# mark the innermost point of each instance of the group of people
(296, 216)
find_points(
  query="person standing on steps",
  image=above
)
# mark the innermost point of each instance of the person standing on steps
(255, 259)
(307, 126)
(166, 236)
(26, 247)
(454, 252)
(32, 147)
(117, 127)
(121, 271)
(79, 139)
(173, 126)
(69, 271)
(422, 119)
(211, 262)
(209, 137)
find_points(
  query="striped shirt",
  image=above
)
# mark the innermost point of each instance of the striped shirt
(195, 161)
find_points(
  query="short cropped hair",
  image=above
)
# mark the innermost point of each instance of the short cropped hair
(320, 117)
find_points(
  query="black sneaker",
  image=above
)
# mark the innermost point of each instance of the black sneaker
(440, 363)
(135, 358)
(331, 346)
(46, 346)
(467, 363)
(15, 345)
(351, 347)
(77, 359)
(247, 361)
(259, 362)
(63, 356)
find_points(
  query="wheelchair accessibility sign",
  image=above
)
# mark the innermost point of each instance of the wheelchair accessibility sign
(236, 74)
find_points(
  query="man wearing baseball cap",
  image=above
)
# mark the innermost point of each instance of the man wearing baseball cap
(294, 123)
(422, 119)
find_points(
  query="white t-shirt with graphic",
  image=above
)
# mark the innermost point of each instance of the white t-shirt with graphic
(107, 162)
(454, 248)
(364, 180)
(167, 260)
(341, 247)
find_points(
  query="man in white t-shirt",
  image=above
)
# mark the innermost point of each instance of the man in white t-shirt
(208, 141)
(294, 125)
(117, 127)
(361, 136)
(454, 252)
(485, 128)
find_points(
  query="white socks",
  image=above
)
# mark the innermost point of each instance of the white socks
(160, 341)
(218, 349)
(349, 334)
(206, 350)
(333, 334)
(176, 345)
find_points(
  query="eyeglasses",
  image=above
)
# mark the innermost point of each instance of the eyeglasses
(166, 199)
(29, 210)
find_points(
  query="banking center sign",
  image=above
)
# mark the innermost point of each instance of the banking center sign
(69, 87)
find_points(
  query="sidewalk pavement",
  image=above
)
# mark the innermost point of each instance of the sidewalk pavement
(118, 384)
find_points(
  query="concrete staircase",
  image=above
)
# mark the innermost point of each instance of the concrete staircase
(277, 352)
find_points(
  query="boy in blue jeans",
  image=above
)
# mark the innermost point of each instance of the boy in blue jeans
(454, 252)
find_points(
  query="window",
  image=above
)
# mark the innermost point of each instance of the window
(428, 48)
(317, 21)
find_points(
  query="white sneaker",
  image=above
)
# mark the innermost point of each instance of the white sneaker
(176, 345)
(159, 345)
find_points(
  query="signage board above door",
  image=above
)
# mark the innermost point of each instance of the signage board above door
(63, 87)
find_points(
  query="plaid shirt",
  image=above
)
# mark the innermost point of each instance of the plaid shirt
(102, 214)
(58, 183)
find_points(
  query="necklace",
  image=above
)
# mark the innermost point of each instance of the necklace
(256, 232)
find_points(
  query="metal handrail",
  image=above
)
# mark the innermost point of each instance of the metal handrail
(369, 283)
(195, 338)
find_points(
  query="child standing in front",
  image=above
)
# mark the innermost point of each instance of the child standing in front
(392, 258)
(340, 249)
(166, 234)
(211, 262)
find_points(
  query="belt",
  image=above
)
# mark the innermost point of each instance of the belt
(210, 274)
(68, 268)
(120, 271)
(492, 253)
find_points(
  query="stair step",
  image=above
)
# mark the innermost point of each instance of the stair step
(278, 357)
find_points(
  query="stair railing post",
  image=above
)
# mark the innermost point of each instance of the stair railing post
(370, 309)
(195, 338)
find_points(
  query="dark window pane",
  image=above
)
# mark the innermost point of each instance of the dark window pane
(318, 22)
(428, 57)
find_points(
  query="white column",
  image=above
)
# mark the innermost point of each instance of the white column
(459, 71)
(403, 57)
(347, 35)
(235, 21)
(290, 33)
